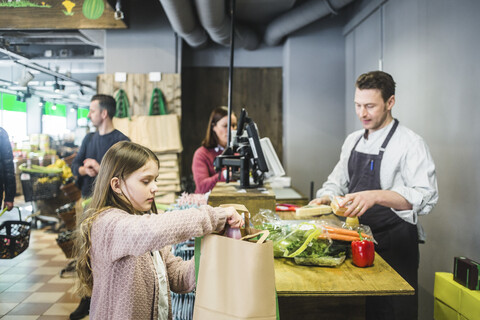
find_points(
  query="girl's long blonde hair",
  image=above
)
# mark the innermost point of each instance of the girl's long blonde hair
(120, 161)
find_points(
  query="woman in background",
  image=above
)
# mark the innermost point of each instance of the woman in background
(212, 146)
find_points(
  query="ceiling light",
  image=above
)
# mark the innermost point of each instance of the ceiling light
(56, 86)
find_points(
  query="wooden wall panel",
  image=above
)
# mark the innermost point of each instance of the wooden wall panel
(258, 90)
(139, 91)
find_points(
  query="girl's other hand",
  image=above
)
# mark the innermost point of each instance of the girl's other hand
(233, 218)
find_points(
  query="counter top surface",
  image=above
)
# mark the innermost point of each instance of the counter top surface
(345, 280)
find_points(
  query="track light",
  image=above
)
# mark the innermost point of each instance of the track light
(58, 87)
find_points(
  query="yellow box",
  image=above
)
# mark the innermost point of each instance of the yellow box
(453, 295)
(443, 312)
(447, 290)
(470, 304)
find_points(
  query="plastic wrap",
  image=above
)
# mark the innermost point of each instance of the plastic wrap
(323, 242)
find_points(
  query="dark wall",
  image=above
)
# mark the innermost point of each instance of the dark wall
(258, 90)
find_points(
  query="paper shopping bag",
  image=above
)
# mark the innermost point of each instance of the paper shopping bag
(123, 125)
(236, 280)
(158, 133)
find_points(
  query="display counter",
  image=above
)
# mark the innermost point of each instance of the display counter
(306, 292)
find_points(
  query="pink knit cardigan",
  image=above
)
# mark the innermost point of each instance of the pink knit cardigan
(124, 279)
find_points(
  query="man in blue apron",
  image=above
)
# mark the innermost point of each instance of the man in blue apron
(387, 175)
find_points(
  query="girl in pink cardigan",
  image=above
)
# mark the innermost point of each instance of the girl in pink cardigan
(125, 261)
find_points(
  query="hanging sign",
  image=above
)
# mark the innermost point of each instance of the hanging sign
(58, 14)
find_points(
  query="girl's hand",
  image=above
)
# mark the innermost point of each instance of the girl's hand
(233, 218)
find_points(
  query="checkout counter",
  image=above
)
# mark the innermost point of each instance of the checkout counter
(306, 292)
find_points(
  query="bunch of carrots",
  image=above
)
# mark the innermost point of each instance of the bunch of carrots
(336, 233)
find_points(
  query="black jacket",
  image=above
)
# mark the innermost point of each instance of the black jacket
(7, 170)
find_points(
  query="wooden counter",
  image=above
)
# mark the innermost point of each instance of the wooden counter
(345, 280)
(306, 292)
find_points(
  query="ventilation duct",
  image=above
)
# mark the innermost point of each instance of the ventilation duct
(299, 17)
(182, 17)
(213, 17)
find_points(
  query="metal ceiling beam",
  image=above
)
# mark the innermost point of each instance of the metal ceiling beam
(21, 60)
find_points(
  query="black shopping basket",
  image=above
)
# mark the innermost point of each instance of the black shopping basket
(14, 237)
(40, 185)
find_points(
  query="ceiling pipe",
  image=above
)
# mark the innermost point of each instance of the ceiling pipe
(299, 17)
(182, 18)
(213, 18)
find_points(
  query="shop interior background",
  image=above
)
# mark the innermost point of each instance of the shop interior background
(429, 46)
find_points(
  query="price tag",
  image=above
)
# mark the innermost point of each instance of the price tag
(120, 77)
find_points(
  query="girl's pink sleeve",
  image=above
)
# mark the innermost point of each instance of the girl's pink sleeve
(181, 274)
(117, 234)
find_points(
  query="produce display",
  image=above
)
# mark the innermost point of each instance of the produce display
(51, 171)
(324, 242)
(61, 164)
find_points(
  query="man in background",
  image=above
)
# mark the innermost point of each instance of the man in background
(7, 172)
(86, 164)
(387, 175)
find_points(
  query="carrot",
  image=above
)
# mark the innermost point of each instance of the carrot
(336, 236)
(347, 232)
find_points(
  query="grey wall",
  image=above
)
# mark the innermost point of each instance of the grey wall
(147, 45)
(215, 55)
(314, 91)
(431, 48)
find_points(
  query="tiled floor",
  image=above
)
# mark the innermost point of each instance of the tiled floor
(30, 284)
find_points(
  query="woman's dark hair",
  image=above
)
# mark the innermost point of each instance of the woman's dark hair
(106, 102)
(211, 139)
(377, 80)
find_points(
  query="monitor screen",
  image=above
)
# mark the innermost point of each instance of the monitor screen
(275, 168)
(255, 145)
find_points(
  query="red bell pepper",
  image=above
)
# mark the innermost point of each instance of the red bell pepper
(363, 252)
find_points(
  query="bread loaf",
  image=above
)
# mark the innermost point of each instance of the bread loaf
(313, 210)
(339, 211)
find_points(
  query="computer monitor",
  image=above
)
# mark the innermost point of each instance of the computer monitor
(275, 168)
(245, 154)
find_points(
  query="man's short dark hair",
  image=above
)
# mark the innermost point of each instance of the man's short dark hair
(106, 102)
(377, 80)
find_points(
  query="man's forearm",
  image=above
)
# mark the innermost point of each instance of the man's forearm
(392, 199)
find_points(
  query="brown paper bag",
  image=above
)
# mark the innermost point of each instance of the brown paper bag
(236, 280)
(123, 125)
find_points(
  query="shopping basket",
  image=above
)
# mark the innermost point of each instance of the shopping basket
(40, 183)
(14, 237)
(65, 242)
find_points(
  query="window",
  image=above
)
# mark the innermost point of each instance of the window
(82, 117)
(54, 120)
(13, 117)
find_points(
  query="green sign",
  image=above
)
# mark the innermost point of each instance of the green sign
(51, 109)
(10, 103)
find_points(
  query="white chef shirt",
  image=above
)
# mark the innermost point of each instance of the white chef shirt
(407, 168)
